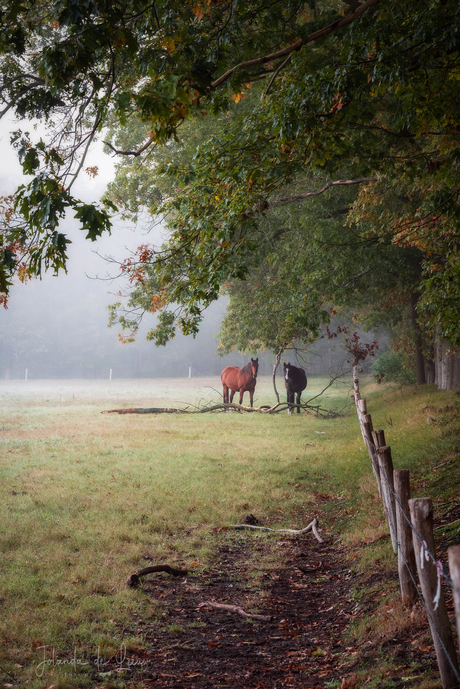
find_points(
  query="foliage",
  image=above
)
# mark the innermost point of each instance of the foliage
(227, 198)
(326, 95)
(391, 367)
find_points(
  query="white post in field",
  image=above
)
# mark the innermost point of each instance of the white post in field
(189, 371)
(110, 374)
(27, 373)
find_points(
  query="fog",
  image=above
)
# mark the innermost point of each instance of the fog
(57, 327)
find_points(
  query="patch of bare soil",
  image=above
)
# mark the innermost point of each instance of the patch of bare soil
(308, 599)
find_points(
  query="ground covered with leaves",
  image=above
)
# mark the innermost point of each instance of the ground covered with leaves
(310, 596)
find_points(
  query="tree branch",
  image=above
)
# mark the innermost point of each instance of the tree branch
(282, 65)
(336, 183)
(297, 45)
(130, 153)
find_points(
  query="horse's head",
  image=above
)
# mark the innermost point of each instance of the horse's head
(254, 367)
(286, 370)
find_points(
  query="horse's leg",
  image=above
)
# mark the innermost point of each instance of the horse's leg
(251, 396)
(290, 400)
(241, 396)
(225, 394)
(298, 402)
(232, 395)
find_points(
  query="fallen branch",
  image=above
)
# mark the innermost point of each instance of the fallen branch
(151, 410)
(134, 579)
(237, 609)
(263, 409)
(312, 526)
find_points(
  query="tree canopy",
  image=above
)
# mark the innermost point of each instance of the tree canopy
(352, 102)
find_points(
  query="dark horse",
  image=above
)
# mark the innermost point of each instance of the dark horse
(295, 381)
(240, 380)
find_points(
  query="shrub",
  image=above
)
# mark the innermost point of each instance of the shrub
(391, 366)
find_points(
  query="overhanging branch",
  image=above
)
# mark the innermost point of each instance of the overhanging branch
(135, 154)
(328, 185)
(297, 45)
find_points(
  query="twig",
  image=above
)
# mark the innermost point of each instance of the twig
(183, 644)
(237, 609)
(451, 509)
(444, 526)
(7, 673)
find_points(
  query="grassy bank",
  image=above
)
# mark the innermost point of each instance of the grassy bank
(88, 498)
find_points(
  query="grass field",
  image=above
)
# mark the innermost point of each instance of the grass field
(88, 498)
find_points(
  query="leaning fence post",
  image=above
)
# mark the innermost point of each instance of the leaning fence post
(454, 569)
(367, 433)
(406, 556)
(386, 475)
(362, 406)
(421, 511)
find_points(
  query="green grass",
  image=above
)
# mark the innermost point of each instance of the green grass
(88, 498)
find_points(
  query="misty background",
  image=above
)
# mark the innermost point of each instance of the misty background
(57, 327)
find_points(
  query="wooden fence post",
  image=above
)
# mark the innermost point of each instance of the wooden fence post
(386, 473)
(361, 410)
(356, 385)
(421, 511)
(454, 568)
(362, 406)
(406, 556)
(367, 434)
(379, 438)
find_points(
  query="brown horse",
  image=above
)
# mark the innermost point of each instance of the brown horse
(295, 381)
(240, 380)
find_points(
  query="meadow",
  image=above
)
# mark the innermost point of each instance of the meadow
(88, 498)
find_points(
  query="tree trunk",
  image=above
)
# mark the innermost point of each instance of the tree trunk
(419, 359)
(447, 366)
(430, 368)
(275, 366)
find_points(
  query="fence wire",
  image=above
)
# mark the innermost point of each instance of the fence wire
(424, 554)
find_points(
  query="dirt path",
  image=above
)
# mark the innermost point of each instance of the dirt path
(198, 647)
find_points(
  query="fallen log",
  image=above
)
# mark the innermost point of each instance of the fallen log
(150, 410)
(312, 526)
(237, 609)
(134, 579)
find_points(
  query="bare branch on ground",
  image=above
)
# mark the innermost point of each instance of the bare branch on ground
(264, 409)
(312, 526)
(237, 609)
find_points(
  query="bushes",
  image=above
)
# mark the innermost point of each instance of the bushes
(391, 366)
